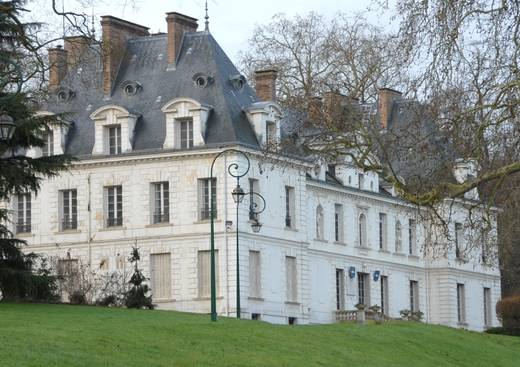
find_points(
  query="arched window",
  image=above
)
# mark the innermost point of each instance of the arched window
(319, 222)
(398, 237)
(362, 230)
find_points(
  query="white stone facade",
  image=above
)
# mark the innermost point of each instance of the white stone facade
(317, 259)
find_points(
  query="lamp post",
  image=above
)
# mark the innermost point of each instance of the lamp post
(235, 167)
(238, 195)
(7, 127)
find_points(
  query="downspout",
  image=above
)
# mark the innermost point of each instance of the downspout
(89, 230)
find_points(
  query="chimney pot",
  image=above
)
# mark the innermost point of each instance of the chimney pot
(57, 67)
(265, 84)
(115, 33)
(386, 98)
(177, 24)
(75, 47)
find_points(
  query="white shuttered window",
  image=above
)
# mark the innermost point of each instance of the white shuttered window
(204, 273)
(291, 276)
(255, 285)
(160, 265)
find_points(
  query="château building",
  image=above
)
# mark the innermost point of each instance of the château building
(146, 116)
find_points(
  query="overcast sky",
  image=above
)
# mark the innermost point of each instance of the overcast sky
(231, 21)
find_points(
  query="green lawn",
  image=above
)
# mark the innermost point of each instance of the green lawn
(61, 335)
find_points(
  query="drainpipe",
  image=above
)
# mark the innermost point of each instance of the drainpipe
(89, 231)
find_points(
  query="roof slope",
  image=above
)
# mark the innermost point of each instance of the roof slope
(145, 62)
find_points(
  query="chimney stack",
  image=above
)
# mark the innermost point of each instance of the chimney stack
(177, 25)
(265, 84)
(386, 100)
(75, 47)
(115, 33)
(57, 67)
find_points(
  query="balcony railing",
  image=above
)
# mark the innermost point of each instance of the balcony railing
(161, 218)
(69, 224)
(114, 222)
(23, 228)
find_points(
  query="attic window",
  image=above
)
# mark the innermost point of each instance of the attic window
(130, 88)
(201, 80)
(237, 81)
(64, 95)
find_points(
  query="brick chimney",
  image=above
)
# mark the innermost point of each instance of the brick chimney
(75, 47)
(57, 67)
(177, 25)
(265, 84)
(115, 33)
(386, 98)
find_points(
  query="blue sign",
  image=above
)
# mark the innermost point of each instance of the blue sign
(351, 272)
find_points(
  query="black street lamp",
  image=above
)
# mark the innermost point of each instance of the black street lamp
(238, 195)
(7, 127)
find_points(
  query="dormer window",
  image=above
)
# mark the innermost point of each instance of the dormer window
(48, 144)
(265, 118)
(185, 123)
(130, 87)
(114, 130)
(186, 133)
(114, 139)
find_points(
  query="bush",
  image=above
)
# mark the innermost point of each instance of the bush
(138, 295)
(110, 300)
(508, 310)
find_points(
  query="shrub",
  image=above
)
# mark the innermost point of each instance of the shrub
(137, 296)
(508, 310)
(110, 300)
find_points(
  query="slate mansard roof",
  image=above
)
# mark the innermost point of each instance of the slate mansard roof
(145, 62)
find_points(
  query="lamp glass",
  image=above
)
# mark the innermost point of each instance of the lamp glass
(238, 194)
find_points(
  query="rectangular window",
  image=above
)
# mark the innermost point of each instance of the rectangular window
(361, 181)
(161, 202)
(254, 200)
(384, 294)
(23, 220)
(270, 131)
(114, 205)
(340, 289)
(382, 231)
(412, 237)
(255, 285)
(204, 273)
(291, 278)
(461, 304)
(48, 144)
(414, 295)
(186, 133)
(332, 170)
(205, 190)
(364, 289)
(338, 223)
(487, 306)
(161, 276)
(114, 139)
(458, 238)
(289, 207)
(69, 209)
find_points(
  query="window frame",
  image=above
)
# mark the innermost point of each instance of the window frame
(205, 194)
(24, 213)
(113, 139)
(255, 288)
(68, 209)
(116, 218)
(160, 202)
(414, 296)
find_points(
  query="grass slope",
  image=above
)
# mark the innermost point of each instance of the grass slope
(61, 335)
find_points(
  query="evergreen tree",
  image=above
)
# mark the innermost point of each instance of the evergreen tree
(136, 296)
(21, 68)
